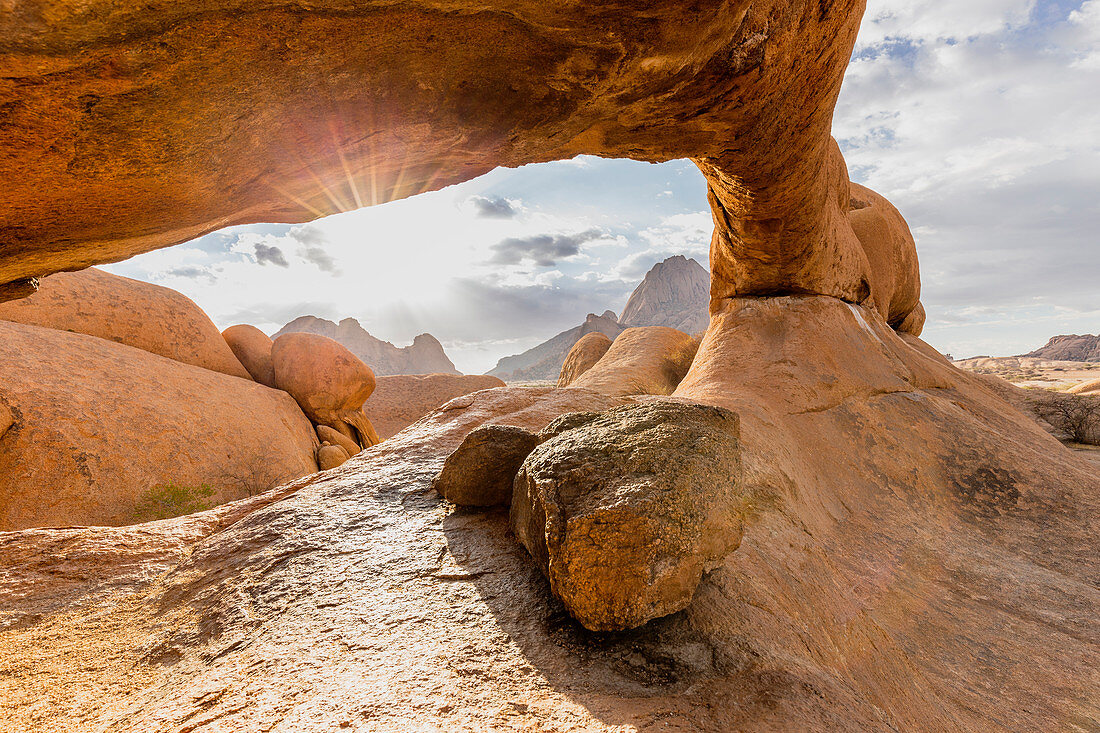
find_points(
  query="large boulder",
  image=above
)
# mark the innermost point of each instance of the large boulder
(894, 273)
(646, 360)
(148, 317)
(583, 356)
(252, 347)
(400, 400)
(98, 425)
(624, 533)
(329, 382)
(482, 469)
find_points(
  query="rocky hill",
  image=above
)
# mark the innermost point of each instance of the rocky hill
(544, 361)
(1070, 348)
(675, 293)
(424, 356)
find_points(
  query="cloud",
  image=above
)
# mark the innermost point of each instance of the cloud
(189, 272)
(494, 207)
(269, 253)
(542, 250)
(311, 247)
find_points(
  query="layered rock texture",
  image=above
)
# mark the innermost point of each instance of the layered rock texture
(1070, 348)
(675, 293)
(424, 355)
(145, 316)
(399, 401)
(544, 362)
(96, 425)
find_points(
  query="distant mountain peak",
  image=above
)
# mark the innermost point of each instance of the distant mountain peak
(674, 293)
(1071, 347)
(424, 356)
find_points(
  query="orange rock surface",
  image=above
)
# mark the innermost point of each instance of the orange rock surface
(646, 360)
(97, 423)
(583, 356)
(402, 399)
(252, 347)
(329, 382)
(145, 316)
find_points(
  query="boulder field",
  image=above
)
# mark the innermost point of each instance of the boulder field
(96, 424)
(146, 316)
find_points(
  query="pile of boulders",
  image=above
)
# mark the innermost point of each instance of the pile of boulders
(623, 533)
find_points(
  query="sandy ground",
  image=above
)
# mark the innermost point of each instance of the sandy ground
(1030, 372)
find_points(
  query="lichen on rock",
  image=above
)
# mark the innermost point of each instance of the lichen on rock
(625, 513)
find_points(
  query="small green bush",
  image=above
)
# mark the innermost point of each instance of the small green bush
(172, 500)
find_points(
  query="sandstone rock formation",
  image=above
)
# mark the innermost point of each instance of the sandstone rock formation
(424, 355)
(252, 347)
(674, 293)
(96, 424)
(624, 533)
(331, 456)
(399, 401)
(1070, 348)
(482, 469)
(588, 350)
(145, 316)
(544, 362)
(327, 381)
(894, 275)
(917, 554)
(327, 435)
(650, 360)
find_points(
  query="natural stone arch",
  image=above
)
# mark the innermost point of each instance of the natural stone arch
(130, 128)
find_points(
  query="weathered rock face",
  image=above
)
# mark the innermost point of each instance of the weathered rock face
(145, 316)
(252, 347)
(892, 254)
(399, 401)
(329, 383)
(134, 112)
(1070, 348)
(96, 424)
(674, 293)
(424, 355)
(482, 469)
(583, 356)
(866, 584)
(650, 360)
(544, 362)
(624, 533)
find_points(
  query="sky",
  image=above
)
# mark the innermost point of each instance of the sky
(980, 121)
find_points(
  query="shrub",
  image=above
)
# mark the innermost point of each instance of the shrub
(172, 500)
(1077, 416)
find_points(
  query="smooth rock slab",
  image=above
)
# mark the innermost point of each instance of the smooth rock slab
(624, 514)
(482, 469)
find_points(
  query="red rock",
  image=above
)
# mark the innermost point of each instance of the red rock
(145, 316)
(648, 360)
